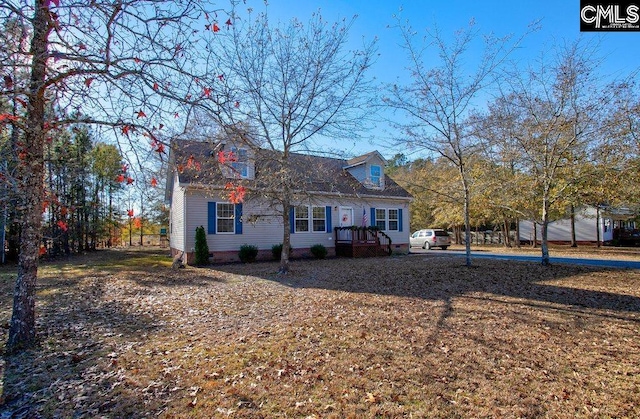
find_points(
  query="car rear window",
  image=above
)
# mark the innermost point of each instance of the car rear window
(441, 233)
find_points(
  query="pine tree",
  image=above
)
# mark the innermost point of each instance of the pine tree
(202, 248)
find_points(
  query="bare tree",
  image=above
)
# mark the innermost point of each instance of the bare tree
(438, 101)
(557, 114)
(131, 65)
(294, 85)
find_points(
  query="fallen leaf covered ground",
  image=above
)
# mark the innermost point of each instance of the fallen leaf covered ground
(121, 335)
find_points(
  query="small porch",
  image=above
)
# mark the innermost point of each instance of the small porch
(358, 242)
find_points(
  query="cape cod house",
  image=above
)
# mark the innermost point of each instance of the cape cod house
(334, 200)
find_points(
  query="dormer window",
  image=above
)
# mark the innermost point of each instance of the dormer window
(375, 175)
(237, 163)
(240, 166)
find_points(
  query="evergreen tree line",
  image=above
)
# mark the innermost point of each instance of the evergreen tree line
(82, 189)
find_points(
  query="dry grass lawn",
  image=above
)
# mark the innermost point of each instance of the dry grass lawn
(121, 335)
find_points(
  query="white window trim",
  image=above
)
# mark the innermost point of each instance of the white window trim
(236, 151)
(218, 218)
(309, 219)
(377, 184)
(387, 219)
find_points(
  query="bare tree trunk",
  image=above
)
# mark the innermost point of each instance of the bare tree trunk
(467, 220)
(286, 241)
(506, 230)
(572, 216)
(31, 189)
(598, 238)
(545, 229)
(141, 221)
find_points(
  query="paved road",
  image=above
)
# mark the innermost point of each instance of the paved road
(610, 263)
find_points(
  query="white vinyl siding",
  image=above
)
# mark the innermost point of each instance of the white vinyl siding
(263, 227)
(177, 219)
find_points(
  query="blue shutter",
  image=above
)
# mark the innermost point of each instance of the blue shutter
(328, 218)
(292, 220)
(373, 217)
(211, 218)
(399, 219)
(238, 217)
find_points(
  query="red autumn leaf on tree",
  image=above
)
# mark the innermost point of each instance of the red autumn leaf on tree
(154, 182)
(120, 178)
(42, 251)
(221, 77)
(130, 212)
(63, 226)
(125, 167)
(155, 86)
(221, 157)
(160, 126)
(137, 60)
(45, 205)
(180, 168)
(141, 114)
(88, 81)
(237, 104)
(176, 115)
(206, 92)
(216, 28)
(137, 223)
(192, 163)
(228, 22)
(126, 129)
(64, 211)
(8, 117)
(237, 195)
(129, 181)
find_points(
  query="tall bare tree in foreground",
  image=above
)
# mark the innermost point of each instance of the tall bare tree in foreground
(440, 97)
(295, 84)
(131, 65)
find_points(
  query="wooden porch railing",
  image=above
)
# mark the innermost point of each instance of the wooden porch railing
(361, 242)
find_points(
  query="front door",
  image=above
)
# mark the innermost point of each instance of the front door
(346, 216)
(346, 220)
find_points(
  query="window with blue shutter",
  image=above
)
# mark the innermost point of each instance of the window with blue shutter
(399, 219)
(238, 215)
(373, 216)
(292, 220)
(211, 218)
(328, 218)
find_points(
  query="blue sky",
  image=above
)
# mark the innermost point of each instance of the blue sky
(559, 22)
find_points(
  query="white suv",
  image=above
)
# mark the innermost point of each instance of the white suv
(430, 237)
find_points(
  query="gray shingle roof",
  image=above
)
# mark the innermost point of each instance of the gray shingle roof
(197, 163)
